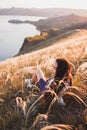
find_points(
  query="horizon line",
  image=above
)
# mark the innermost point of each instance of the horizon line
(42, 8)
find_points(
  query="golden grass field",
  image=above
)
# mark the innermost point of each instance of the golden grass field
(73, 48)
(13, 71)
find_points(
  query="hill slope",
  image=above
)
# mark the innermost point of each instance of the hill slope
(51, 35)
(14, 71)
(67, 47)
(60, 22)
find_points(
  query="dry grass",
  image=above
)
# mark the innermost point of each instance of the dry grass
(74, 49)
(57, 127)
(13, 72)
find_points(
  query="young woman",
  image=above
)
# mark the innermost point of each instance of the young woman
(61, 71)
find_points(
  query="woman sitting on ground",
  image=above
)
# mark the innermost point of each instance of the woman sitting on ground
(61, 71)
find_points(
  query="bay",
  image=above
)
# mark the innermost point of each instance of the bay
(12, 35)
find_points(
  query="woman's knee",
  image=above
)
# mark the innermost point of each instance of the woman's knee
(39, 74)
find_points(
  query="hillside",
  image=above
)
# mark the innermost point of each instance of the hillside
(60, 106)
(67, 47)
(59, 31)
(48, 12)
(14, 71)
(59, 22)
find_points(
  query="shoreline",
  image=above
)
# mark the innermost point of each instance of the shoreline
(29, 30)
(35, 23)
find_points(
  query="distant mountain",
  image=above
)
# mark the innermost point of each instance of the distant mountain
(47, 12)
(59, 22)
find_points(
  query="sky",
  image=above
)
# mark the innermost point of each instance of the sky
(76, 4)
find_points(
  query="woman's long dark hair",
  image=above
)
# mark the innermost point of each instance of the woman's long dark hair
(63, 69)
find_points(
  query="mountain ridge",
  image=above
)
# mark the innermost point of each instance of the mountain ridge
(46, 12)
(60, 22)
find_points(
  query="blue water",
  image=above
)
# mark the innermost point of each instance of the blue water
(12, 35)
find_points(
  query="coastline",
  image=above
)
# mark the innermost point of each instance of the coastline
(14, 35)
